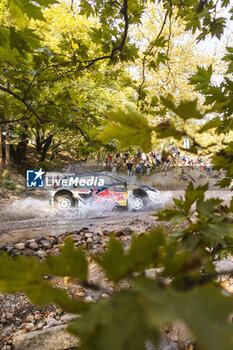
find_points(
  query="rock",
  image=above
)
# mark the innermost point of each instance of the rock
(46, 339)
(80, 293)
(224, 265)
(45, 244)
(180, 333)
(20, 331)
(88, 235)
(30, 318)
(33, 245)
(29, 326)
(165, 344)
(20, 246)
(51, 321)
(40, 325)
(61, 239)
(89, 299)
(37, 316)
(9, 315)
(89, 240)
(40, 253)
(105, 295)
(6, 347)
(75, 237)
(68, 318)
(7, 331)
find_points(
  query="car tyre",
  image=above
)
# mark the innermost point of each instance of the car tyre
(137, 203)
(64, 202)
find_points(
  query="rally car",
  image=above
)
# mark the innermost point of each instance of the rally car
(101, 188)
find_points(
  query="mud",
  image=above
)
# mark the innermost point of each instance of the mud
(30, 217)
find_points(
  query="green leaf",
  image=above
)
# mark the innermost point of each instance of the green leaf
(201, 79)
(160, 42)
(213, 123)
(162, 58)
(185, 110)
(27, 275)
(217, 27)
(130, 128)
(70, 262)
(44, 294)
(32, 9)
(191, 196)
(167, 129)
(205, 310)
(86, 8)
(117, 323)
(142, 253)
(207, 207)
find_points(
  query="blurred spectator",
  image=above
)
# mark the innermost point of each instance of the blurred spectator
(129, 166)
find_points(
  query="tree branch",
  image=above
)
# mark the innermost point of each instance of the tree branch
(124, 11)
(150, 48)
(43, 121)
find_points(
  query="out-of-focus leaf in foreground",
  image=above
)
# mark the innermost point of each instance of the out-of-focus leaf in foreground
(27, 275)
(129, 128)
(143, 252)
(205, 310)
(118, 323)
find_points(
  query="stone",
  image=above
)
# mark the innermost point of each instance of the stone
(33, 245)
(51, 321)
(40, 325)
(60, 239)
(40, 253)
(20, 246)
(29, 326)
(30, 318)
(6, 347)
(89, 299)
(45, 244)
(37, 316)
(88, 235)
(105, 295)
(180, 333)
(75, 237)
(46, 339)
(80, 293)
(224, 265)
(68, 318)
(7, 331)
(9, 315)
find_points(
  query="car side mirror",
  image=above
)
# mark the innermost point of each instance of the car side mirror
(125, 184)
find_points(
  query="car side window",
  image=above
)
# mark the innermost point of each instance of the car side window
(104, 180)
(117, 181)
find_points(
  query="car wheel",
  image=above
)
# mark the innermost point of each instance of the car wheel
(64, 202)
(137, 203)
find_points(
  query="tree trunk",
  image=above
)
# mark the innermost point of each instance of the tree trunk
(47, 144)
(1, 149)
(21, 149)
(98, 158)
(7, 147)
(38, 142)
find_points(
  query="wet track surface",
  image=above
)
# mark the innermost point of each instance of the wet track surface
(30, 217)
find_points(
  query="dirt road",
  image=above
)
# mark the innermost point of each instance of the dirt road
(29, 218)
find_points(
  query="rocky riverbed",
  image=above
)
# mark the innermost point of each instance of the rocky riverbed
(38, 232)
(19, 317)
